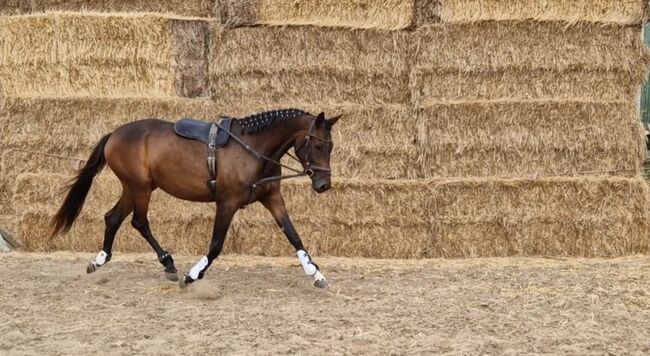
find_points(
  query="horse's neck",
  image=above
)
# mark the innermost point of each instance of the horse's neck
(275, 142)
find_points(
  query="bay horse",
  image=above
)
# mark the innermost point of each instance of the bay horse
(148, 154)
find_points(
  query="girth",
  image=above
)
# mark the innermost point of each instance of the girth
(215, 135)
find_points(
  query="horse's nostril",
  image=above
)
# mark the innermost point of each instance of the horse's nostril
(326, 186)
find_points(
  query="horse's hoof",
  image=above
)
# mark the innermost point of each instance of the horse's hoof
(321, 283)
(172, 276)
(91, 267)
(184, 281)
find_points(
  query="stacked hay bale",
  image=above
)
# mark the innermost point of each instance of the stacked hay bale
(472, 128)
(173, 8)
(74, 78)
(350, 58)
(518, 134)
(536, 100)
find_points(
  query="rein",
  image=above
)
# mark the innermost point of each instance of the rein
(309, 169)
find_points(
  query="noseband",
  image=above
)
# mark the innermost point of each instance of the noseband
(309, 169)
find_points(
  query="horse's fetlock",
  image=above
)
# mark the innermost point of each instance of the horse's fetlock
(166, 259)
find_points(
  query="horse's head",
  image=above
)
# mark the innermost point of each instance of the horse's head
(314, 151)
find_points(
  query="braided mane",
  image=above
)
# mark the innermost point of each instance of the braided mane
(258, 122)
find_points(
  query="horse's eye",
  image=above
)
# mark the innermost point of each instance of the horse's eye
(319, 147)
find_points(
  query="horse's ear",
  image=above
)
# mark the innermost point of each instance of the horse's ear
(332, 121)
(320, 120)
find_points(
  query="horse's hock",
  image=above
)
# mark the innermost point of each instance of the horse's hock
(471, 128)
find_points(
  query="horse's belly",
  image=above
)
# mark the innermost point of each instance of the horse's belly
(185, 194)
(180, 169)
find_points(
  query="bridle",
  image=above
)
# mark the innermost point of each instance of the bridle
(308, 170)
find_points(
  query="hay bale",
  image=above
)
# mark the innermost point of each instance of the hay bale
(15, 7)
(55, 125)
(369, 142)
(437, 218)
(527, 138)
(354, 219)
(431, 86)
(460, 218)
(45, 191)
(372, 142)
(427, 12)
(384, 14)
(307, 87)
(335, 239)
(189, 52)
(13, 163)
(541, 217)
(185, 234)
(185, 226)
(367, 146)
(452, 11)
(316, 65)
(235, 13)
(493, 46)
(192, 8)
(76, 55)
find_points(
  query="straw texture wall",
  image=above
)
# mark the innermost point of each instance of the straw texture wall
(69, 54)
(540, 45)
(527, 138)
(13, 163)
(35, 198)
(431, 86)
(71, 127)
(189, 52)
(450, 11)
(15, 7)
(26, 120)
(435, 218)
(381, 14)
(192, 8)
(471, 128)
(307, 66)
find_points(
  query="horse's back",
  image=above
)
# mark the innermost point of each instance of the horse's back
(135, 131)
(148, 152)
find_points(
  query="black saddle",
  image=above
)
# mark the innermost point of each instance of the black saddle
(200, 130)
(210, 134)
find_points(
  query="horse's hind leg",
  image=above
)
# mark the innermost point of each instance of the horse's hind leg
(141, 223)
(113, 220)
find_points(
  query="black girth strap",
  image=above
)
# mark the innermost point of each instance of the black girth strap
(214, 134)
(212, 154)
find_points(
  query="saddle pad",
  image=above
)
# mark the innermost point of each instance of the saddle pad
(200, 130)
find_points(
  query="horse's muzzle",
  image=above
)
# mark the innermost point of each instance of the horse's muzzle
(322, 185)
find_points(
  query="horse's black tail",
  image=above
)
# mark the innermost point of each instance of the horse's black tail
(78, 189)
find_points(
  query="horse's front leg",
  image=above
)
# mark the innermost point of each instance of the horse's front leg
(221, 224)
(275, 204)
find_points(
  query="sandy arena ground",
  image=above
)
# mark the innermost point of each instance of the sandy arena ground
(251, 305)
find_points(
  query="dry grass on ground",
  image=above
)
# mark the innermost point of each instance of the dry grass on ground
(266, 306)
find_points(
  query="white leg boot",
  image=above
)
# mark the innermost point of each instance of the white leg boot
(311, 269)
